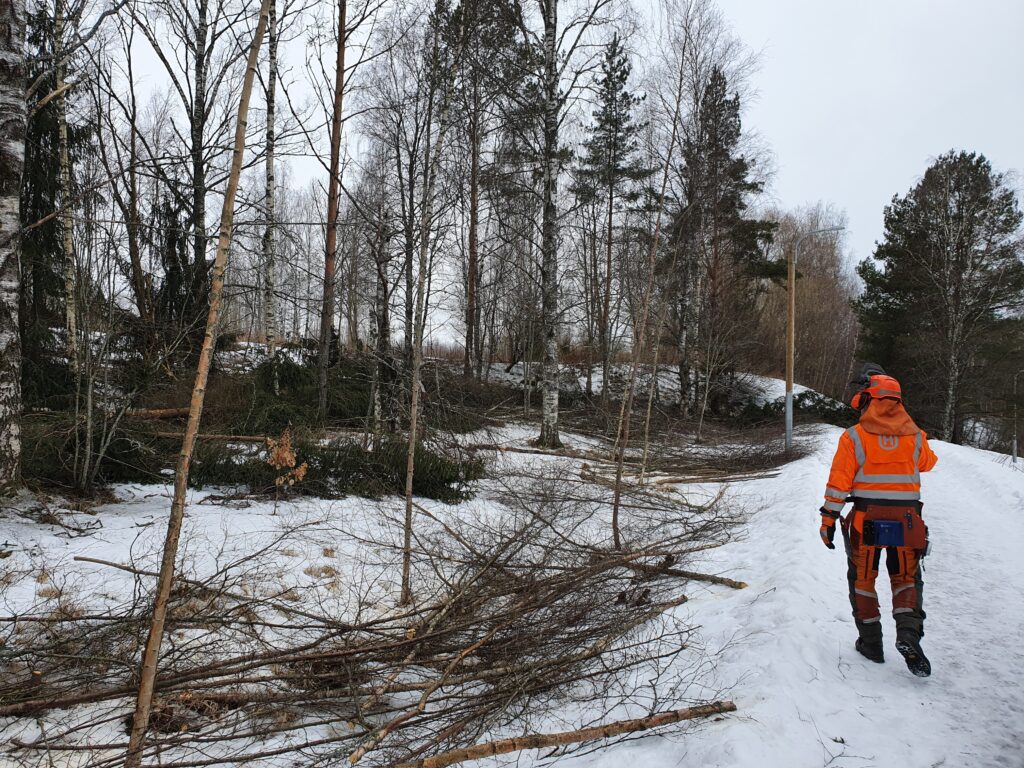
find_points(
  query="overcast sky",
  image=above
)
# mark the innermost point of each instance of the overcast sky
(855, 98)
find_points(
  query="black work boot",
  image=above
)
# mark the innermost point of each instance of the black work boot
(908, 643)
(870, 650)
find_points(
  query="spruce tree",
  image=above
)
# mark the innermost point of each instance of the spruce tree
(610, 171)
(942, 285)
(46, 380)
(720, 252)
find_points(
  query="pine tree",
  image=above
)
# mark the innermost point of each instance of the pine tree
(941, 285)
(609, 173)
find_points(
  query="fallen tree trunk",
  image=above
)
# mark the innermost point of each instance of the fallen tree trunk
(693, 575)
(157, 413)
(711, 477)
(568, 453)
(545, 740)
(223, 438)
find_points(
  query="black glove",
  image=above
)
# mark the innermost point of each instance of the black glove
(828, 528)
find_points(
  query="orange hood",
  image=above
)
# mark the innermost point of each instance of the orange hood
(887, 417)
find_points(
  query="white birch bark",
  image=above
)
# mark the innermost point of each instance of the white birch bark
(549, 232)
(269, 243)
(12, 162)
(433, 165)
(67, 224)
(333, 194)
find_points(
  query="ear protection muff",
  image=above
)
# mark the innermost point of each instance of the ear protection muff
(859, 399)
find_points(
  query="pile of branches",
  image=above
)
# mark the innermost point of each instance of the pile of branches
(525, 621)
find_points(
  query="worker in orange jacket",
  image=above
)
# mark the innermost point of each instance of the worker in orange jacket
(878, 467)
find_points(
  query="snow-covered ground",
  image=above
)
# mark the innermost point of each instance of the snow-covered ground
(758, 390)
(804, 697)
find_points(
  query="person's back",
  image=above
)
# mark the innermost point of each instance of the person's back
(878, 466)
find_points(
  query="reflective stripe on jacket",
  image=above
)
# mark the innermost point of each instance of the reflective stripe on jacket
(878, 466)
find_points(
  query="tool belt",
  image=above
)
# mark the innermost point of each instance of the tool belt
(891, 524)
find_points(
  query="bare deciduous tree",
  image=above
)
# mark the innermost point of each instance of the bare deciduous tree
(151, 654)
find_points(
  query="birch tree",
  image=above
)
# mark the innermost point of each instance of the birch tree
(269, 206)
(333, 197)
(12, 158)
(447, 46)
(151, 653)
(563, 54)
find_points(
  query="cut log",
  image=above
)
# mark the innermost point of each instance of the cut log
(692, 575)
(546, 740)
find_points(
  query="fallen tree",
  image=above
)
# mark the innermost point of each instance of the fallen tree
(545, 740)
(520, 614)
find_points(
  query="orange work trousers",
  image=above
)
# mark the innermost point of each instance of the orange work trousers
(905, 576)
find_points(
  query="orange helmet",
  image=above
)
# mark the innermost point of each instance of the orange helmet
(876, 385)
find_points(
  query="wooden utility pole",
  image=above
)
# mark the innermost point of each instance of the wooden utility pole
(151, 654)
(790, 345)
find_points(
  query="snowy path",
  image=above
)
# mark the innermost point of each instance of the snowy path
(805, 697)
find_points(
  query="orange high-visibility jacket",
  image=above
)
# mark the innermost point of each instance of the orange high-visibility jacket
(882, 457)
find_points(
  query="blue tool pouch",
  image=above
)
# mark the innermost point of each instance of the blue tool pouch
(883, 533)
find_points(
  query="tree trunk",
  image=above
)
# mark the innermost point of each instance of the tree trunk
(198, 130)
(352, 304)
(67, 224)
(548, 740)
(549, 233)
(147, 672)
(269, 244)
(432, 164)
(410, 256)
(12, 161)
(474, 223)
(640, 336)
(606, 306)
(143, 299)
(952, 391)
(331, 255)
